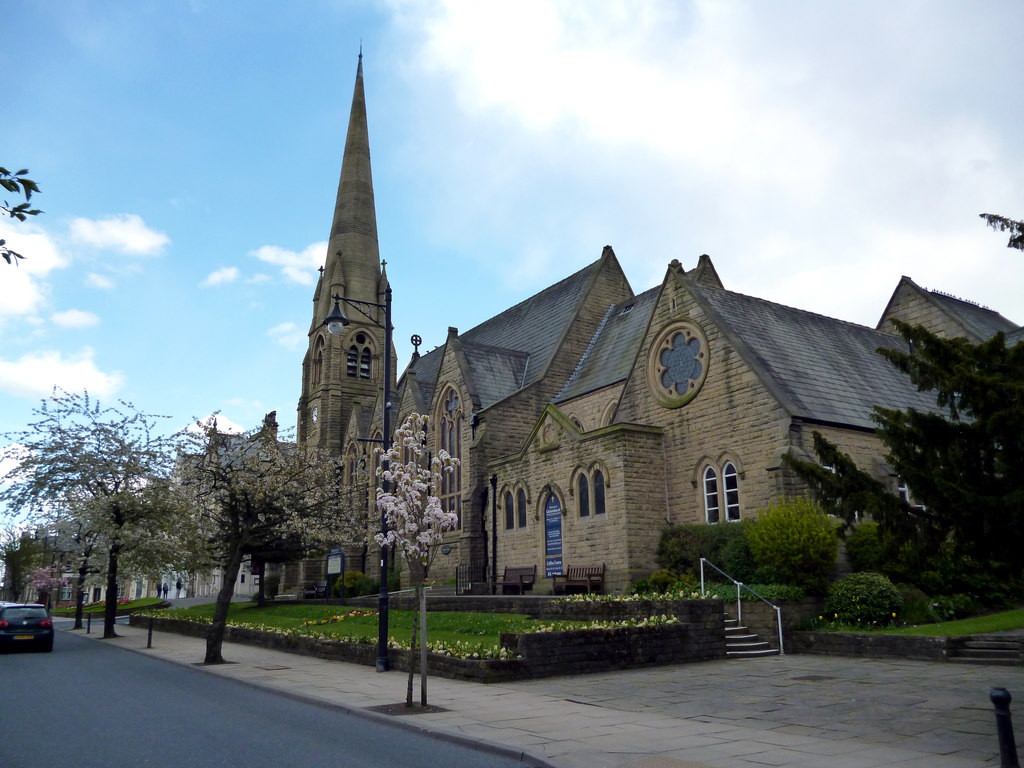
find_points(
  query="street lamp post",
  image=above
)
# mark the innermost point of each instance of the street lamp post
(336, 322)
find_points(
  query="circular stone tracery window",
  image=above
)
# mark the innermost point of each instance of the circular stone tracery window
(678, 364)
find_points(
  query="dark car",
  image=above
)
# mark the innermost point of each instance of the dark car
(26, 625)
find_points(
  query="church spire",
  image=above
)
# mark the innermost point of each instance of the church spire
(353, 257)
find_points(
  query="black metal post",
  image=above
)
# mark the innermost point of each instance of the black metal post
(149, 636)
(382, 606)
(88, 623)
(334, 322)
(1004, 728)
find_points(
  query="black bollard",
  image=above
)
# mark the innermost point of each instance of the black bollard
(149, 637)
(1004, 728)
(88, 623)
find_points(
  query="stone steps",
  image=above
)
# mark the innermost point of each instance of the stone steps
(993, 650)
(741, 643)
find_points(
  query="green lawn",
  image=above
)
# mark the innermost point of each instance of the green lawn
(145, 602)
(976, 625)
(443, 627)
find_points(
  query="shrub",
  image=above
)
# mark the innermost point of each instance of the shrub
(863, 599)
(661, 580)
(271, 587)
(865, 549)
(917, 606)
(724, 544)
(796, 542)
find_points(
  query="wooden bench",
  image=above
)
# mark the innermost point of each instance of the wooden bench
(578, 578)
(517, 580)
(316, 591)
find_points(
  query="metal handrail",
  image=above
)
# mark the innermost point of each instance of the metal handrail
(739, 601)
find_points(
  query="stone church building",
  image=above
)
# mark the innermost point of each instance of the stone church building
(589, 417)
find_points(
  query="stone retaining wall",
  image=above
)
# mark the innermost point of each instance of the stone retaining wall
(699, 637)
(872, 645)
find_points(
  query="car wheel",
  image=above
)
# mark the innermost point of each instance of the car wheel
(47, 646)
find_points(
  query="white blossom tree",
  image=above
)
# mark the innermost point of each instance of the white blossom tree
(416, 521)
(106, 464)
(250, 495)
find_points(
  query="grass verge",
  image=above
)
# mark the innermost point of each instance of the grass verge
(443, 627)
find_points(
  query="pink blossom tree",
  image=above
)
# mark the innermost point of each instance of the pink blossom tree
(46, 581)
(416, 521)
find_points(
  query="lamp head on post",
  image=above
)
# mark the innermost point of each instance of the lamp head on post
(336, 320)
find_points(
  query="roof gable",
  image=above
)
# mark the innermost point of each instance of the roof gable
(513, 349)
(820, 368)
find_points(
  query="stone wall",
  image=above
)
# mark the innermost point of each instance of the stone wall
(872, 645)
(541, 654)
(733, 417)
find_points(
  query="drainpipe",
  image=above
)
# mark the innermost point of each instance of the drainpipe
(494, 534)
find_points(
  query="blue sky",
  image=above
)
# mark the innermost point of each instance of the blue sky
(189, 154)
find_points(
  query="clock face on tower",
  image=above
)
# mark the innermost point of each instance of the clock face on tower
(315, 413)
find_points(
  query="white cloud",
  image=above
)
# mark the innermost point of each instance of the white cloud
(126, 233)
(101, 282)
(75, 318)
(23, 287)
(221, 276)
(815, 141)
(297, 267)
(289, 335)
(37, 373)
(223, 423)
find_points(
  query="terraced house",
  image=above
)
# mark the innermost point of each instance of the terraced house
(588, 417)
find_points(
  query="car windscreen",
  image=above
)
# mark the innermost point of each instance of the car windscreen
(12, 614)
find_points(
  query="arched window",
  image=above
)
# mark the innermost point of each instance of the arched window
(353, 357)
(364, 364)
(449, 430)
(521, 507)
(583, 495)
(731, 481)
(510, 511)
(598, 492)
(318, 360)
(710, 495)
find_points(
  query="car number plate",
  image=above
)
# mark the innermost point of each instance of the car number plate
(24, 637)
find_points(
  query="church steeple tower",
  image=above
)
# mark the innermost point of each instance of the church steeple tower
(353, 256)
(341, 374)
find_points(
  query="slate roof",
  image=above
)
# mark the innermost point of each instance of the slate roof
(612, 352)
(824, 369)
(512, 349)
(983, 322)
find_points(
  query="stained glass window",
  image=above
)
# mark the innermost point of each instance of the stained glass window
(598, 493)
(681, 363)
(732, 492)
(711, 495)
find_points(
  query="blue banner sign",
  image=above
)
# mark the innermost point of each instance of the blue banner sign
(553, 527)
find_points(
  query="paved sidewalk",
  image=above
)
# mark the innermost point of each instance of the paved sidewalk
(795, 710)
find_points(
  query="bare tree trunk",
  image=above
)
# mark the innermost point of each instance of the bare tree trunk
(423, 643)
(261, 593)
(215, 637)
(80, 595)
(110, 609)
(412, 657)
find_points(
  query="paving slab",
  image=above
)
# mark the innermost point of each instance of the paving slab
(792, 710)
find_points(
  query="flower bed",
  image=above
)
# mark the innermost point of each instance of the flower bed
(610, 645)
